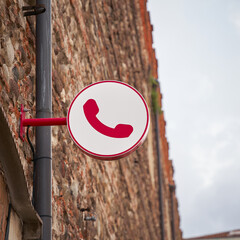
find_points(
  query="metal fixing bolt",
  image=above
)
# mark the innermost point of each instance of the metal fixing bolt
(90, 218)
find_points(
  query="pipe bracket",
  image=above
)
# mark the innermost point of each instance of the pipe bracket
(33, 10)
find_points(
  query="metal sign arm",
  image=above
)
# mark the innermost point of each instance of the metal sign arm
(44, 122)
(36, 122)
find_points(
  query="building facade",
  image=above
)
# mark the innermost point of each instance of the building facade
(229, 235)
(91, 41)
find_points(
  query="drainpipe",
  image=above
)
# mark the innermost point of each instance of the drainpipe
(160, 191)
(172, 190)
(42, 193)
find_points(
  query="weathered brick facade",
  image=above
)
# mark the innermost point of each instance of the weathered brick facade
(91, 41)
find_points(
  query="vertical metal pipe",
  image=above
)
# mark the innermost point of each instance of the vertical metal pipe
(43, 159)
(160, 191)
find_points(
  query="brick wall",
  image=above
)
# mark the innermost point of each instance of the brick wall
(92, 41)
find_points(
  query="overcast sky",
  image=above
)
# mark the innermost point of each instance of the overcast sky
(198, 49)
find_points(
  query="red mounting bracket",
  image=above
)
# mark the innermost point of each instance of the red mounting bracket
(37, 122)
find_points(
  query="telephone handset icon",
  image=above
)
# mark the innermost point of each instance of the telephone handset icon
(91, 110)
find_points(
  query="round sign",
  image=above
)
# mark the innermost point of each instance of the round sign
(108, 120)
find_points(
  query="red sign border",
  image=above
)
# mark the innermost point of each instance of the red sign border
(118, 155)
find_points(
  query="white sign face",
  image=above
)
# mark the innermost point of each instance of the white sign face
(108, 120)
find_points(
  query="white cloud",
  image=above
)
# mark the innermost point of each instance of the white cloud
(199, 55)
(234, 15)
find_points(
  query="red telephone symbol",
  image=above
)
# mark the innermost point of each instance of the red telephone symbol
(91, 110)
